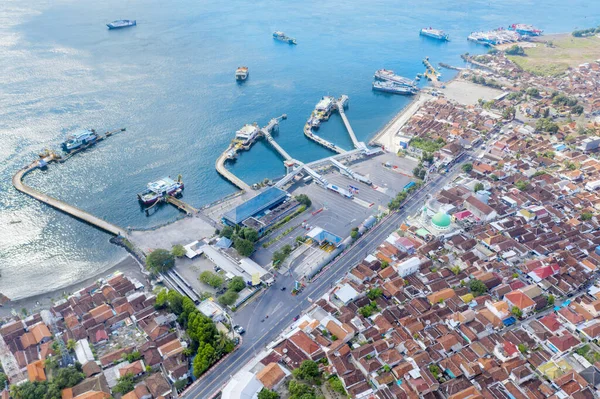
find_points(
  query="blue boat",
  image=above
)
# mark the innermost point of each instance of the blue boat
(79, 139)
(121, 23)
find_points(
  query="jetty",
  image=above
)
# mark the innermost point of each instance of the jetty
(250, 135)
(341, 104)
(430, 72)
(77, 213)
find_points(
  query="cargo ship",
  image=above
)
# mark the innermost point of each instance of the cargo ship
(121, 23)
(281, 36)
(524, 29)
(241, 73)
(435, 34)
(388, 75)
(79, 139)
(160, 188)
(394, 88)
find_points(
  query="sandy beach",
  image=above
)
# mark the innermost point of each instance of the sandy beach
(34, 304)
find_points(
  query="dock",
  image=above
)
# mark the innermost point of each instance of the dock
(77, 213)
(223, 171)
(341, 104)
(430, 72)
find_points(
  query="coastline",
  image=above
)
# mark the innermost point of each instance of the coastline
(35, 303)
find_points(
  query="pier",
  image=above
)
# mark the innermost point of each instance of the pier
(82, 215)
(342, 103)
(223, 171)
(430, 72)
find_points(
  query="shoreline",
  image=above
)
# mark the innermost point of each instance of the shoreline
(128, 265)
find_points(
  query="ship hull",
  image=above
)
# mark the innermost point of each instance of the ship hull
(121, 26)
(444, 38)
(152, 200)
(394, 91)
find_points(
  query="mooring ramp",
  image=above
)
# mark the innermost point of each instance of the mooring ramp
(267, 133)
(341, 103)
(223, 171)
(182, 206)
(80, 214)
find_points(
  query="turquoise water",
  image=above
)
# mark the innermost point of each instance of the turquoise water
(170, 81)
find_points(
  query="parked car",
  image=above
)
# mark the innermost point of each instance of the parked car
(239, 329)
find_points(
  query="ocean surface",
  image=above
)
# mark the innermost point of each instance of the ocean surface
(170, 82)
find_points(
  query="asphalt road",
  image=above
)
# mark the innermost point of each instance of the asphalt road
(281, 306)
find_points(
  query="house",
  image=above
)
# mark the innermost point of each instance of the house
(408, 267)
(271, 376)
(521, 301)
(543, 272)
(136, 369)
(479, 209)
(346, 294)
(139, 392)
(35, 371)
(40, 333)
(444, 295)
(95, 387)
(159, 386)
(562, 343)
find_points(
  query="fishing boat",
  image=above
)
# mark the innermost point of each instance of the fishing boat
(121, 23)
(79, 139)
(160, 188)
(241, 73)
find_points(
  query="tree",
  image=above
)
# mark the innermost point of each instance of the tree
(267, 394)
(522, 348)
(250, 234)
(478, 187)
(124, 384)
(533, 92)
(354, 234)
(308, 371)
(522, 185)
(384, 264)
(213, 279)
(586, 216)
(304, 200)
(467, 168)
(178, 251)
(180, 384)
(477, 287)
(203, 360)
(455, 269)
(516, 312)
(175, 301)
(228, 298)
(236, 284)
(515, 50)
(375, 293)
(35, 390)
(244, 247)
(160, 260)
(282, 254)
(551, 300)
(3, 380)
(71, 343)
(227, 232)
(67, 377)
(133, 356)
(336, 385)
(298, 390)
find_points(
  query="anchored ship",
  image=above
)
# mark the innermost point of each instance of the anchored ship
(281, 36)
(435, 33)
(388, 75)
(492, 38)
(79, 139)
(395, 88)
(160, 188)
(524, 29)
(121, 23)
(241, 73)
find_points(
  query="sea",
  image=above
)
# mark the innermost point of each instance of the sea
(170, 82)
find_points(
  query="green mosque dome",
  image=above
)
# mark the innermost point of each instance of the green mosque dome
(441, 220)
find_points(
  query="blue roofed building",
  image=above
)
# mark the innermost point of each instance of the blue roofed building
(262, 211)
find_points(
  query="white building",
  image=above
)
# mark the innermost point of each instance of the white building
(243, 385)
(83, 352)
(408, 267)
(346, 294)
(247, 133)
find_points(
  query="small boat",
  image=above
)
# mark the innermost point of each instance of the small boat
(79, 139)
(241, 73)
(394, 88)
(121, 23)
(160, 188)
(278, 35)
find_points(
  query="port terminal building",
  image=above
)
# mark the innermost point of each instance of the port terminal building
(262, 211)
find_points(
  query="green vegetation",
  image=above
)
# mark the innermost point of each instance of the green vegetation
(336, 385)
(384, 264)
(124, 385)
(160, 260)
(178, 251)
(435, 370)
(522, 185)
(309, 372)
(590, 355)
(551, 300)
(369, 309)
(586, 32)
(546, 125)
(243, 246)
(401, 196)
(236, 284)
(281, 255)
(533, 92)
(427, 145)
(516, 312)
(586, 216)
(228, 298)
(354, 234)
(522, 348)
(560, 99)
(243, 238)
(71, 343)
(299, 390)
(419, 172)
(515, 50)
(133, 356)
(467, 168)
(215, 280)
(180, 384)
(64, 378)
(375, 293)
(478, 187)
(485, 82)
(267, 394)
(509, 113)
(477, 287)
(304, 200)
(455, 269)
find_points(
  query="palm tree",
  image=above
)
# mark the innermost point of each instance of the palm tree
(71, 344)
(221, 342)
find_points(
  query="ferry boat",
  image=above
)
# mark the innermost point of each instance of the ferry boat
(160, 188)
(435, 34)
(395, 88)
(389, 76)
(278, 35)
(121, 23)
(524, 29)
(241, 73)
(79, 139)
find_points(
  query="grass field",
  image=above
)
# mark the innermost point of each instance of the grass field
(567, 51)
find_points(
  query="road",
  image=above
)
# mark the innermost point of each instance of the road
(281, 306)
